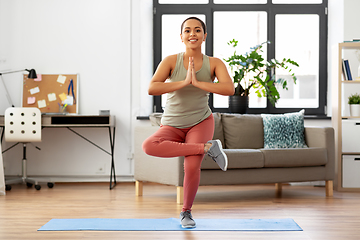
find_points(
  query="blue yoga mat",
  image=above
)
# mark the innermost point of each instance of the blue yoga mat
(170, 224)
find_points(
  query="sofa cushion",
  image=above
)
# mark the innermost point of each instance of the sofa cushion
(218, 131)
(238, 158)
(295, 157)
(284, 130)
(243, 131)
(155, 119)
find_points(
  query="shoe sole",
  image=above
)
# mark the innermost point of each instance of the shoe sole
(221, 150)
(188, 226)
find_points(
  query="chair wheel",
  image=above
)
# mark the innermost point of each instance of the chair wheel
(50, 185)
(29, 185)
(37, 187)
(7, 187)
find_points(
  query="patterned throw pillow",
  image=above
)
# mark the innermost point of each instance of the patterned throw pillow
(284, 130)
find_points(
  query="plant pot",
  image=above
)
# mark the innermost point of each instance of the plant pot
(355, 110)
(238, 104)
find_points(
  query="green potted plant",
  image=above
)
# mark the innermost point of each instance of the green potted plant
(354, 102)
(252, 71)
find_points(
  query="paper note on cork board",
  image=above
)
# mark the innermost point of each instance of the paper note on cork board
(61, 79)
(31, 100)
(51, 97)
(38, 78)
(62, 97)
(34, 90)
(41, 103)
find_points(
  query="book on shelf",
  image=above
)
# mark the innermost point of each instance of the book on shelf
(347, 70)
(344, 71)
(353, 40)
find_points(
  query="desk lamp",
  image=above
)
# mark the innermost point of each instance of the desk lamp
(32, 75)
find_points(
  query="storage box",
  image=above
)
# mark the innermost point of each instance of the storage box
(351, 136)
(351, 171)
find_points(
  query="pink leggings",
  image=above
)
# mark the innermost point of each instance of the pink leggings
(188, 142)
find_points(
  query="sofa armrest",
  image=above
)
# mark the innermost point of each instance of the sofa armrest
(154, 169)
(323, 137)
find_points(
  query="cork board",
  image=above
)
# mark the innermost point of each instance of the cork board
(48, 92)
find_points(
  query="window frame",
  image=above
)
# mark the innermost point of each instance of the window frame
(272, 10)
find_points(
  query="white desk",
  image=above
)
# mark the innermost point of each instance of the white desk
(80, 121)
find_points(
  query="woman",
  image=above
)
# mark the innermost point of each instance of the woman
(187, 125)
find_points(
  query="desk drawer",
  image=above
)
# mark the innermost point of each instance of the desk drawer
(78, 121)
(350, 136)
(351, 171)
(59, 120)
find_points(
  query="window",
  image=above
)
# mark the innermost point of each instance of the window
(240, 1)
(296, 1)
(292, 30)
(183, 1)
(297, 29)
(256, 33)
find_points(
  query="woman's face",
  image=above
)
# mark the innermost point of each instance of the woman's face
(192, 34)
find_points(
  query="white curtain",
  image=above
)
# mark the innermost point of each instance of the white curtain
(2, 179)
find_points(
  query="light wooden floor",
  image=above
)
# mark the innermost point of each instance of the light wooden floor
(23, 211)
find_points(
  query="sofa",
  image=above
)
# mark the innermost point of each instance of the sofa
(250, 162)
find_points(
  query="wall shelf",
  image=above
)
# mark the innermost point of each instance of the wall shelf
(352, 81)
(350, 117)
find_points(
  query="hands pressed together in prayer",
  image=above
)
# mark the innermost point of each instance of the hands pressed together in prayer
(191, 73)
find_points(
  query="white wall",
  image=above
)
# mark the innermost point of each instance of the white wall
(352, 30)
(102, 41)
(141, 62)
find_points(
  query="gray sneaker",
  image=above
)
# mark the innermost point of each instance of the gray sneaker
(186, 220)
(217, 154)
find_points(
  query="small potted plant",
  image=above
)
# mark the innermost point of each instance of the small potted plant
(354, 102)
(252, 71)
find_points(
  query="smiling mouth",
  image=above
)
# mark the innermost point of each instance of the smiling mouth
(193, 40)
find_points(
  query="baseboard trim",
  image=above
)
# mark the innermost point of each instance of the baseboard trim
(78, 178)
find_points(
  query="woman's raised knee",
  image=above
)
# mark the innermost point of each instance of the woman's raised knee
(150, 147)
